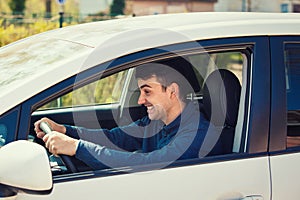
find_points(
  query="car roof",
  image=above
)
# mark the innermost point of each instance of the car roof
(53, 56)
(231, 23)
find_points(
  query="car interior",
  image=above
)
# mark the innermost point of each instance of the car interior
(218, 92)
(221, 96)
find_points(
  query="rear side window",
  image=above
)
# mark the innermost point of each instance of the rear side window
(292, 70)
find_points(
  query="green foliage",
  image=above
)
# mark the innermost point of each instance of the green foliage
(117, 7)
(17, 6)
(11, 33)
(104, 91)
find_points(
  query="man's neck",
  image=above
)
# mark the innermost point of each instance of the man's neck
(176, 111)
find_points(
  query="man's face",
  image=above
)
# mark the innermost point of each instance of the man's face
(155, 98)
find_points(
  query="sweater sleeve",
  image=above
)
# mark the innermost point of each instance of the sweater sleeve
(98, 156)
(127, 138)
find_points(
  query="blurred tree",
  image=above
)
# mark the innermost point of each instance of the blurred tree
(4, 8)
(48, 8)
(17, 6)
(117, 7)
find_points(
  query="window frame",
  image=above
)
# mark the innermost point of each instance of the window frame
(278, 118)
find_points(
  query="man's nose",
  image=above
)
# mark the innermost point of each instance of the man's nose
(141, 100)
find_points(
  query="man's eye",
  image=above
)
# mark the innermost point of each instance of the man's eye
(147, 92)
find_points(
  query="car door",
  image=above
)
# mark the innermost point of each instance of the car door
(285, 118)
(242, 174)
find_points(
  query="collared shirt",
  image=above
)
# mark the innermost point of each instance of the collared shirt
(144, 142)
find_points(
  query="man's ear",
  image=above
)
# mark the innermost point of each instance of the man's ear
(174, 88)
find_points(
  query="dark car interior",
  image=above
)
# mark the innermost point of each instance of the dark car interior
(221, 89)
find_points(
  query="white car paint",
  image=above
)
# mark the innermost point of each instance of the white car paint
(209, 181)
(285, 176)
(36, 175)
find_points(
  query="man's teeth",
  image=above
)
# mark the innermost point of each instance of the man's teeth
(150, 107)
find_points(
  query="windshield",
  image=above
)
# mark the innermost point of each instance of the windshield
(35, 55)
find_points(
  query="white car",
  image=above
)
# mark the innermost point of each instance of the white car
(83, 75)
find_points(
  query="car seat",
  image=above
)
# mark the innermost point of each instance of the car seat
(221, 96)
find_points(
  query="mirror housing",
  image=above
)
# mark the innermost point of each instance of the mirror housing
(25, 165)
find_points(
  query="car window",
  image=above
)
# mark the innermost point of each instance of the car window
(7, 126)
(104, 91)
(206, 63)
(237, 63)
(292, 69)
(109, 90)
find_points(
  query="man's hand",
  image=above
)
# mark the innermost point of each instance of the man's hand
(53, 125)
(59, 143)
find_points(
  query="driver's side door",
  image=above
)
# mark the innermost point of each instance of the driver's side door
(240, 175)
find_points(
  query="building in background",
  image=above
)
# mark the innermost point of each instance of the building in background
(150, 7)
(87, 7)
(290, 6)
(258, 5)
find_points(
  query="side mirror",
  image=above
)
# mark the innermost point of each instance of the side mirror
(25, 165)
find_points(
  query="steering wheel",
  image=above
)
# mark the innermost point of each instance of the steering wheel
(68, 163)
(67, 160)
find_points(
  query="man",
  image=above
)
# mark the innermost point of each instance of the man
(173, 130)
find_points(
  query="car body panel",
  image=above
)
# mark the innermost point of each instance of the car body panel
(284, 170)
(208, 181)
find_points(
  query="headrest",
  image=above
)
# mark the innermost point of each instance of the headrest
(221, 96)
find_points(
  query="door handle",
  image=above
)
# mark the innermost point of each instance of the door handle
(253, 197)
